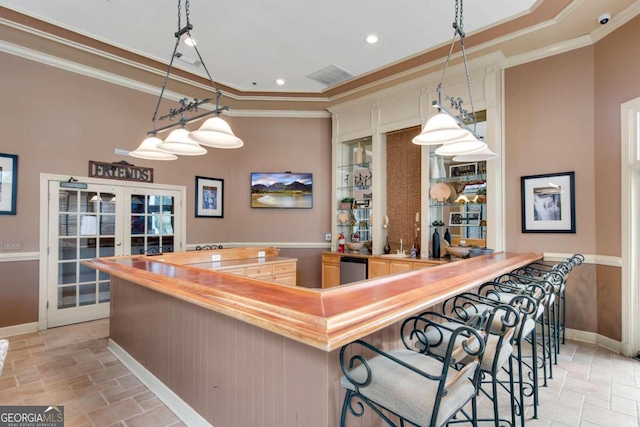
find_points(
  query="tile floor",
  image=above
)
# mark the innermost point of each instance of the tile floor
(71, 366)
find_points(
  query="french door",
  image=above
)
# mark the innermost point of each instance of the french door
(99, 220)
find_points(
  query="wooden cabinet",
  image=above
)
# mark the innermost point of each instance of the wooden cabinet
(397, 266)
(330, 270)
(378, 267)
(278, 272)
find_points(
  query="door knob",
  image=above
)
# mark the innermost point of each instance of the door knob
(118, 244)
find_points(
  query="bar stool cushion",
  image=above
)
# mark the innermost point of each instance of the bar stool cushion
(439, 340)
(407, 393)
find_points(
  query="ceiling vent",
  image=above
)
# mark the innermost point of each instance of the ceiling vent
(331, 75)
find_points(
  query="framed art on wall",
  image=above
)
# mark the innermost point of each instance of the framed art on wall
(8, 183)
(284, 190)
(548, 203)
(209, 197)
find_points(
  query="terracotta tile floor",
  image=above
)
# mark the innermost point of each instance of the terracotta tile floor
(71, 366)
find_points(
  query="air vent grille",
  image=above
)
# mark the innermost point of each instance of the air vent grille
(331, 75)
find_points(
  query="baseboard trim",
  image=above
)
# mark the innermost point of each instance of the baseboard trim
(24, 328)
(185, 412)
(594, 338)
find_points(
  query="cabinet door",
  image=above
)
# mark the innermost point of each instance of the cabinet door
(378, 267)
(285, 279)
(399, 266)
(330, 274)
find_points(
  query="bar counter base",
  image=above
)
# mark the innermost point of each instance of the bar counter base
(179, 407)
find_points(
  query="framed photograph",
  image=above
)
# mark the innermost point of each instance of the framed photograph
(464, 169)
(464, 219)
(209, 197)
(548, 203)
(281, 190)
(8, 183)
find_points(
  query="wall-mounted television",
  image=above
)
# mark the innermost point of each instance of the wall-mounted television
(281, 190)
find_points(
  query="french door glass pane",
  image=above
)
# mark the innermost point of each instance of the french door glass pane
(152, 216)
(84, 217)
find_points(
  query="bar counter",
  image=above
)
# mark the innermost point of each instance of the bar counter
(244, 352)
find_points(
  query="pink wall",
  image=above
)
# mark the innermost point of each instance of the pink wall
(549, 107)
(56, 121)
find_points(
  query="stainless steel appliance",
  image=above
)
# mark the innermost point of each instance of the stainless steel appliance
(353, 269)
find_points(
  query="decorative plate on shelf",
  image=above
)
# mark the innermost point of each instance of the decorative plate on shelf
(343, 218)
(440, 192)
(454, 195)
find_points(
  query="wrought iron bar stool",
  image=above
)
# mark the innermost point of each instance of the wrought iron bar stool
(500, 325)
(467, 305)
(563, 268)
(546, 317)
(412, 386)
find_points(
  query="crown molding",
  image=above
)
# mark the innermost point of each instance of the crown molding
(300, 114)
(547, 51)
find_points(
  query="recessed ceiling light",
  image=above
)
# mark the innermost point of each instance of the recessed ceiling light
(190, 41)
(280, 82)
(371, 39)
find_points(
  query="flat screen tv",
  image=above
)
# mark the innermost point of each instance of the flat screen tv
(281, 190)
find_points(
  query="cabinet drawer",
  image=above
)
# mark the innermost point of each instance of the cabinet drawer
(259, 270)
(236, 271)
(285, 267)
(330, 259)
(285, 279)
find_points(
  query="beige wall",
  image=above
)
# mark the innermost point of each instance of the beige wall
(57, 121)
(563, 114)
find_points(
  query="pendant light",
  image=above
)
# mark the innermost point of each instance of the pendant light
(149, 150)
(215, 132)
(484, 154)
(451, 130)
(179, 142)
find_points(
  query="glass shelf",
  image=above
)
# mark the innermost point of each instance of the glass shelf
(357, 187)
(466, 178)
(350, 167)
(455, 205)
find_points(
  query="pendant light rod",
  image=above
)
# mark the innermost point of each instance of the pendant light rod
(183, 121)
(193, 105)
(461, 123)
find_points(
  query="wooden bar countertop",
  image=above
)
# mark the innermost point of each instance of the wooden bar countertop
(322, 318)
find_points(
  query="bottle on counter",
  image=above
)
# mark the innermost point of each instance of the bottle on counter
(435, 244)
(387, 247)
(447, 236)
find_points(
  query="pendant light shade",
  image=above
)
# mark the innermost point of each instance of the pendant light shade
(178, 142)
(440, 129)
(478, 156)
(217, 133)
(465, 145)
(149, 150)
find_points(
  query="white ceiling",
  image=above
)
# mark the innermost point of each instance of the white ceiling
(255, 41)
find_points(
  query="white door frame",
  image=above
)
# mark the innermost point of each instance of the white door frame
(45, 178)
(630, 225)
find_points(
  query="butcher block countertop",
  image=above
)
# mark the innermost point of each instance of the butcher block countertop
(322, 318)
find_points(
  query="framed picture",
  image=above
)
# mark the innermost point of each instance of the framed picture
(281, 190)
(548, 203)
(8, 183)
(463, 169)
(464, 219)
(209, 197)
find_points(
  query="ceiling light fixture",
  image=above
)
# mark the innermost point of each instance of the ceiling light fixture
(215, 132)
(280, 82)
(371, 39)
(453, 131)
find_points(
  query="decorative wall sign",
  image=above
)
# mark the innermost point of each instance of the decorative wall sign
(209, 197)
(464, 169)
(120, 170)
(8, 183)
(548, 203)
